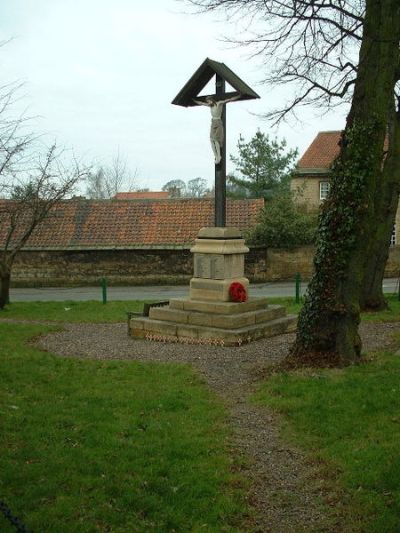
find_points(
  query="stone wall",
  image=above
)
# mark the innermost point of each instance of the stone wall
(150, 266)
(87, 267)
(284, 264)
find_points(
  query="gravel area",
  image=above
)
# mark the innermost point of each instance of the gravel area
(286, 489)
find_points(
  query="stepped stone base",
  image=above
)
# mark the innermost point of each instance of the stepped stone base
(208, 316)
(202, 322)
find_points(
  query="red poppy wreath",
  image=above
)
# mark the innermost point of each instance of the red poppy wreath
(237, 292)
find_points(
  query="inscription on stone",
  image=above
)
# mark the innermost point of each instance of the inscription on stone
(201, 266)
(209, 266)
(217, 267)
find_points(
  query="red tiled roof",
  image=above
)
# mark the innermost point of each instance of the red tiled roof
(134, 223)
(322, 151)
(145, 195)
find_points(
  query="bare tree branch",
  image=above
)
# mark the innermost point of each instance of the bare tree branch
(311, 45)
(107, 180)
(32, 183)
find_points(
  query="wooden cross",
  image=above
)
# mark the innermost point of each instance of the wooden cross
(188, 96)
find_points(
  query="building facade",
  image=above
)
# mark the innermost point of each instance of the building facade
(311, 182)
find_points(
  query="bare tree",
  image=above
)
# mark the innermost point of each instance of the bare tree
(15, 142)
(175, 188)
(197, 188)
(32, 181)
(107, 180)
(118, 176)
(31, 200)
(335, 51)
(95, 185)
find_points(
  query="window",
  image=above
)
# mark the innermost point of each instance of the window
(324, 187)
(393, 236)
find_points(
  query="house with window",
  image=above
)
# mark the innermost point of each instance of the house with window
(311, 181)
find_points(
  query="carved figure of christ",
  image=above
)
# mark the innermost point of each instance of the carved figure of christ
(217, 128)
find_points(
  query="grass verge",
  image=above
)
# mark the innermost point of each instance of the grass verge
(115, 311)
(93, 311)
(349, 420)
(392, 314)
(110, 445)
(72, 311)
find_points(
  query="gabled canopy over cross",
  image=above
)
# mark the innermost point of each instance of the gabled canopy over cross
(189, 96)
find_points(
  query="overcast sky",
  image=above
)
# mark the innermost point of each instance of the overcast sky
(100, 76)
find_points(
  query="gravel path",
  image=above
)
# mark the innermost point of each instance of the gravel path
(286, 489)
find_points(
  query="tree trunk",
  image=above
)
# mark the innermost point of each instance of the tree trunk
(5, 279)
(6, 262)
(328, 323)
(372, 297)
(387, 201)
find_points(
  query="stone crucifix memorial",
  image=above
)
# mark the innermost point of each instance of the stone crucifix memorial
(218, 309)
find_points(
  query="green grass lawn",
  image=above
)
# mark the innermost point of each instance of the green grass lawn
(349, 421)
(115, 311)
(72, 311)
(124, 446)
(390, 315)
(92, 311)
(115, 446)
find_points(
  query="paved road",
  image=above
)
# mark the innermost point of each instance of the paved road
(161, 292)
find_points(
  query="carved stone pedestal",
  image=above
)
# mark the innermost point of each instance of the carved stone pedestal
(208, 316)
(218, 257)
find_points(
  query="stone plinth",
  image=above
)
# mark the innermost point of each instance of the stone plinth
(218, 257)
(208, 316)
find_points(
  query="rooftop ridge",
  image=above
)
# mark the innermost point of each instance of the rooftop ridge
(84, 223)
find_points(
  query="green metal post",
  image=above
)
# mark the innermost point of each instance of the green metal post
(298, 285)
(104, 289)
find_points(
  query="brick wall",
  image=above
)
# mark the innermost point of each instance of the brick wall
(139, 267)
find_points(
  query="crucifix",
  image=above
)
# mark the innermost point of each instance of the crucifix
(218, 145)
(188, 96)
